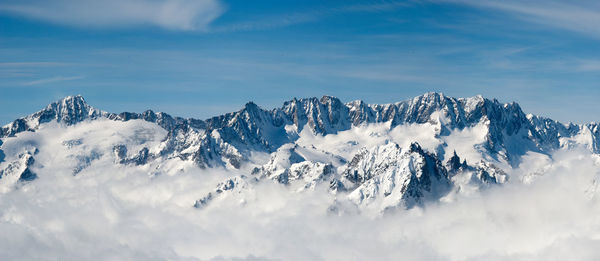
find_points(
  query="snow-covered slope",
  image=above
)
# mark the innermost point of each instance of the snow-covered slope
(375, 156)
(388, 176)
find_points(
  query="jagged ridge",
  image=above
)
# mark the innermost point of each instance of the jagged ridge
(253, 128)
(229, 139)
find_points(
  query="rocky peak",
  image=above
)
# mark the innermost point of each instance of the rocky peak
(69, 111)
(164, 120)
(430, 98)
(454, 163)
(20, 169)
(395, 176)
(326, 99)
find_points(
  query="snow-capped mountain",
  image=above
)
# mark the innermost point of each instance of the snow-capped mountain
(395, 176)
(375, 156)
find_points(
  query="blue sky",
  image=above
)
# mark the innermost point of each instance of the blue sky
(204, 58)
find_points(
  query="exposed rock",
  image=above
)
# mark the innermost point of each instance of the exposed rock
(20, 168)
(388, 176)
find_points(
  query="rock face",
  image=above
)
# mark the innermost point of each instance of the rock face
(380, 176)
(234, 185)
(389, 176)
(310, 173)
(2, 156)
(20, 169)
(287, 166)
(484, 172)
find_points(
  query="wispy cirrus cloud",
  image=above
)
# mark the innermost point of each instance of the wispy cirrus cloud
(283, 20)
(589, 65)
(30, 64)
(577, 16)
(168, 14)
(187, 15)
(52, 80)
(26, 68)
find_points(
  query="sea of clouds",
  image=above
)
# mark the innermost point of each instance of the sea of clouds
(123, 213)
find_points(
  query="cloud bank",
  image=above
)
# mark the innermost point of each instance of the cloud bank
(168, 14)
(122, 213)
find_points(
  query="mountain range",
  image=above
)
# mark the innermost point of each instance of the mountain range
(371, 156)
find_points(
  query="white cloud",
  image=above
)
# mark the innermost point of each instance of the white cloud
(578, 16)
(52, 80)
(267, 22)
(110, 212)
(169, 14)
